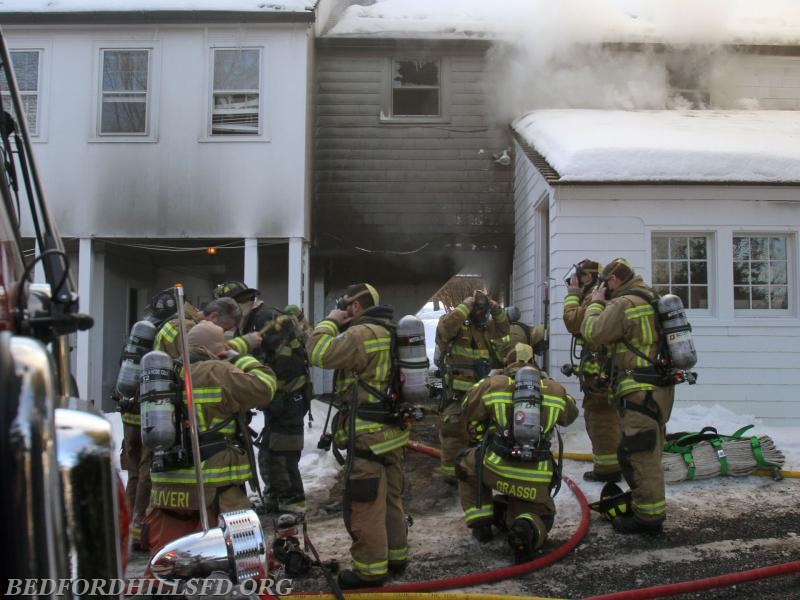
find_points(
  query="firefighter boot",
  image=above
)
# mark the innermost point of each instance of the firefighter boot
(632, 524)
(522, 538)
(349, 580)
(614, 476)
(482, 532)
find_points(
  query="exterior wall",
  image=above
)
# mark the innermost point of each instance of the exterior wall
(746, 363)
(179, 182)
(400, 183)
(765, 82)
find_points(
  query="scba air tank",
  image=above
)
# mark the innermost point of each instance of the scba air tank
(678, 332)
(413, 359)
(157, 397)
(527, 400)
(140, 341)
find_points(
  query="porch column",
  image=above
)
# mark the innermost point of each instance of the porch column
(88, 345)
(251, 262)
(298, 272)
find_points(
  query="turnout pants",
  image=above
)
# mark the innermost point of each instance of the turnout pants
(374, 516)
(644, 419)
(135, 459)
(604, 429)
(452, 436)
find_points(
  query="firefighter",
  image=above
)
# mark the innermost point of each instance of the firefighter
(626, 324)
(355, 339)
(599, 411)
(498, 459)
(464, 341)
(248, 299)
(224, 383)
(521, 333)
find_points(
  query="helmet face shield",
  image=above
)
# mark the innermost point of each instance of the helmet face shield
(574, 271)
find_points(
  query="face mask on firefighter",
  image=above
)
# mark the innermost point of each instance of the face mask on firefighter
(574, 271)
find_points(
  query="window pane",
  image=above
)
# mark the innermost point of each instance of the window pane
(759, 248)
(699, 297)
(123, 114)
(237, 69)
(660, 272)
(421, 102)
(741, 297)
(779, 298)
(661, 290)
(678, 247)
(26, 70)
(682, 291)
(660, 247)
(697, 248)
(679, 272)
(777, 248)
(409, 73)
(699, 272)
(760, 296)
(125, 70)
(741, 248)
(759, 272)
(741, 273)
(777, 273)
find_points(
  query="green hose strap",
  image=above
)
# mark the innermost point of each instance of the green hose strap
(739, 432)
(689, 460)
(755, 444)
(723, 460)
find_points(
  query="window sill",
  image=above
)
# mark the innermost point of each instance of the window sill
(217, 139)
(125, 139)
(411, 120)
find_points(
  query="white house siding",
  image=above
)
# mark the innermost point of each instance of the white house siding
(177, 182)
(756, 81)
(748, 364)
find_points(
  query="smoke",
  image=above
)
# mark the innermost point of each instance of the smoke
(579, 54)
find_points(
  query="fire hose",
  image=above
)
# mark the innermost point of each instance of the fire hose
(412, 590)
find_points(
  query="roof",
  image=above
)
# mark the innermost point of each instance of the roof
(688, 146)
(104, 11)
(576, 21)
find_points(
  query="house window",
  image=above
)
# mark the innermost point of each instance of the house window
(124, 92)
(236, 91)
(416, 87)
(680, 267)
(26, 65)
(760, 272)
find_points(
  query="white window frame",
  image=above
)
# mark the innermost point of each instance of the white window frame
(151, 103)
(791, 275)
(711, 294)
(228, 44)
(33, 131)
(387, 96)
(44, 48)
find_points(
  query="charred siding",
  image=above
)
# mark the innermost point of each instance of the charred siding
(388, 185)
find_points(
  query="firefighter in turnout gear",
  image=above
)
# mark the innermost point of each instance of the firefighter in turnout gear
(503, 459)
(626, 324)
(464, 338)
(224, 384)
(599, 411)
(357, 341)
(521, 333)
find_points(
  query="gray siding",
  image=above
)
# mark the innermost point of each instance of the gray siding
(398, 186)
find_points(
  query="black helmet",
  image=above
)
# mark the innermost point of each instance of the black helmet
(163, 304)
(236, 290)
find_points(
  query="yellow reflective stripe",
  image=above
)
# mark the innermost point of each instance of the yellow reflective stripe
(372, 569)
(399, 441)
(594, 309)
(229, 474)
(204, 395)
(398, 554)
(166, 334)
(474, 513)
(543, 473)
(626, 385)
(239, 344)
(132, 418)
(329, 329)
(470, 353)
(571, 300)
(448, 471)
(652, 509)
(605, 460)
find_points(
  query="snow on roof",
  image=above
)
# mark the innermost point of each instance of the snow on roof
(666, 145)
(56, 6)
(676, 21)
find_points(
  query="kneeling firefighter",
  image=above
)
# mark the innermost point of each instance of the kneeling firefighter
(224, 384)
(510, 419)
